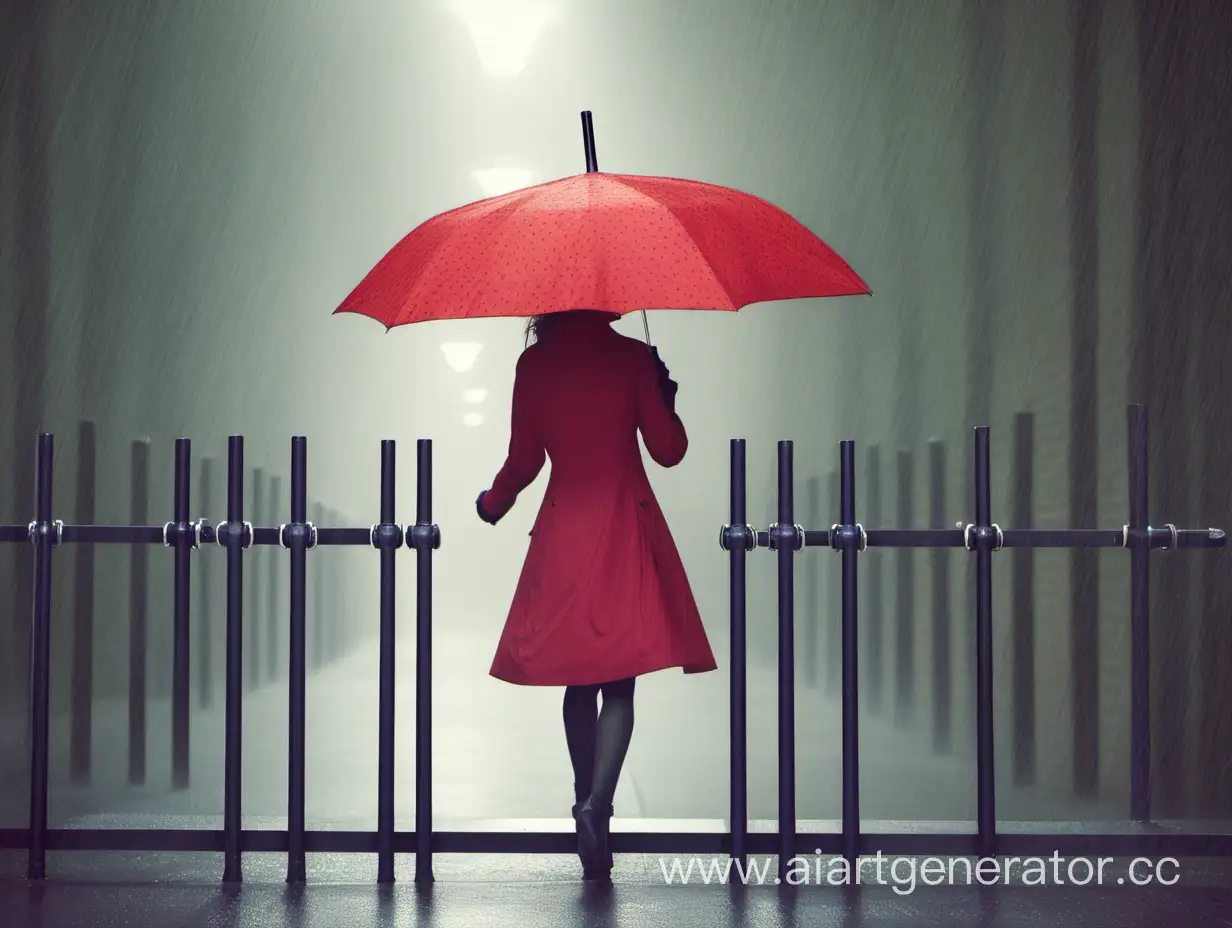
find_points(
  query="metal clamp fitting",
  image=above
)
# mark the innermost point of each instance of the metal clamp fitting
(969, 541)
(1176, 540)
(729, 533)
(837, 527)
(56, 524)
(191, 529)
(778, 527)
(423, 535)
(392, 536)
(312, 534)
(1125, 536)
(247, 538)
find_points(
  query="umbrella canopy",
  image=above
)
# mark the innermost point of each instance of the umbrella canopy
(614, 242)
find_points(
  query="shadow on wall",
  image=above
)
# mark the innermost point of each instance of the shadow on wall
(1180, 335)
(142, 666)
(26, 134)
(1180, 370)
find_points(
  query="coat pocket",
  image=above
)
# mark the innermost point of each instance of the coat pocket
(543, 511)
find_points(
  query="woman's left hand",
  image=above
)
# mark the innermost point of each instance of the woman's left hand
(481, 511)
(667, 386)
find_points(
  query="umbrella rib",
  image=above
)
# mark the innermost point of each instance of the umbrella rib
(689, 238)
(506, 214)
(505, 210)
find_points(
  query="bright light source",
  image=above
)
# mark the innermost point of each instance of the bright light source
(495, 181)
(504, 31)
(474, 397)
(461, 355)
(472, 419)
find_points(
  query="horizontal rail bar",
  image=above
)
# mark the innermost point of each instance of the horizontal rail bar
(1146, 843)
(153, 534)
(1161, 538)
(113, 534)
(344, 536)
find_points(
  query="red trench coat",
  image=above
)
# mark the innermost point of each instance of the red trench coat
(603, 594)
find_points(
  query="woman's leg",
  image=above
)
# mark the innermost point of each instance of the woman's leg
(581, 708)
(613, 732)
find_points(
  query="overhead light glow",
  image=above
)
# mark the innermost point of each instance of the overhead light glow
(474, 397)
(504, 31)
(461, 355)
(472, 419)
(496, 181)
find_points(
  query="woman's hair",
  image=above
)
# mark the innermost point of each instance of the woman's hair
(540, 326)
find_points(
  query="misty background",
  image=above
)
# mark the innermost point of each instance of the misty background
(1035, 191)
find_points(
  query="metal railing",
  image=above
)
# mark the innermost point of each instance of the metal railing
(982, 537)
(785, 537)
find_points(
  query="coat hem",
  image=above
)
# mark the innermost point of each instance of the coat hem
(517, 680)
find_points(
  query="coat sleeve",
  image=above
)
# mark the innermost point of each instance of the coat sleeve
(662, 431)
(526, 453)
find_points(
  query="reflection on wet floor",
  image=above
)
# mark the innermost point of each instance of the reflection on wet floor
(471, 895)
(499, 755)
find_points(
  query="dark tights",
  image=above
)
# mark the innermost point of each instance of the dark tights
(598, 739)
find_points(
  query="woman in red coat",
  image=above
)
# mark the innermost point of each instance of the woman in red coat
(603, 597)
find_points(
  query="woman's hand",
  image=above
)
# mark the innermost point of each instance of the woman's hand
(481, 511)
(667, 386)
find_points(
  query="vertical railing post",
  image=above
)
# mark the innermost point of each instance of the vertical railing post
(138, 616)
(44, 535)
(986, 539)
(388, 536)
(786, 538)
(1138, 540)
(234, 535)
(738, 538)
(425, 537)
(297, 536)
(181, 668)
(851, 542)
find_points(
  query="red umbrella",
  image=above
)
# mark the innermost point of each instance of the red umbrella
(615, 242)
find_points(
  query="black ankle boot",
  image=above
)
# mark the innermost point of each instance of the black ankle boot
(593, 823)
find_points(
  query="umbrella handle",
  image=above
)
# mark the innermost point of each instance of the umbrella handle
(646, 326)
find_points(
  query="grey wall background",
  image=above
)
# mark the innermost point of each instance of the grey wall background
(1035, 191)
